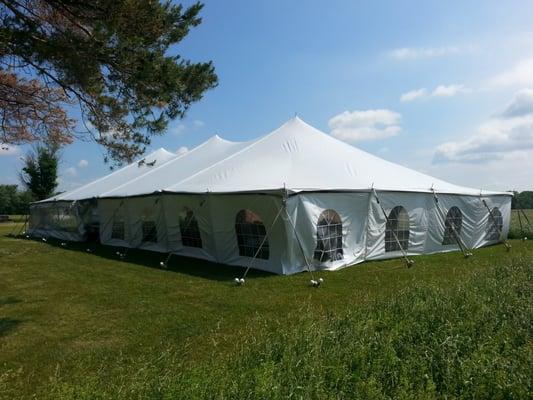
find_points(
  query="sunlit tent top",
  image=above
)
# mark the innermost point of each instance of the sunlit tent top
(295, 156)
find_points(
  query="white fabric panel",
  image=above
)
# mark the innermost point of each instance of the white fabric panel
(504, 205)
(415, 204)
(110, 210)
(223, 212)
(172, 206)
(133, 211)
(146, 209)
(472, 214)
(437, 222)
(305, 210)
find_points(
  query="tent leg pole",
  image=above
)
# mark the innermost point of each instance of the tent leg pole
(520, 223)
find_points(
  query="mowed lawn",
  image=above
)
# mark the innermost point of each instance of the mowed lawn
(78, 324)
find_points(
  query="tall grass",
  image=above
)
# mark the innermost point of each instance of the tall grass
(472, 339)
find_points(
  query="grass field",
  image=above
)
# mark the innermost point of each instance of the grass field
(86, 325)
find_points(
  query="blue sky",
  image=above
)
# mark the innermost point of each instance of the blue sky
(445, 88)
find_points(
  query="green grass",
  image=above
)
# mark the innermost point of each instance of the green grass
(86, 325)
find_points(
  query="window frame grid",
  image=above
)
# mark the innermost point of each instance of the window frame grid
(151, 235)
(189, 229)
(495, 225)
(122, 230)
(250, 232)
(453, 216)
(403, 235)
(329, 237)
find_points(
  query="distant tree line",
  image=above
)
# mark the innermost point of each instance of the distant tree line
(13, 200)
(522, 200)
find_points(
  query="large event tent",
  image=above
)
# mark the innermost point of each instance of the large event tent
(294, 199)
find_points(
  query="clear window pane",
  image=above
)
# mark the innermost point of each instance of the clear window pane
(397, 230)
(328, 237)
(251, 232)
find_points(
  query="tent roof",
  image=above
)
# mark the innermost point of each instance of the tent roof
(295, 156)
(118, 177)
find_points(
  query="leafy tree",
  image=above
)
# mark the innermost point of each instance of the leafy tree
(110, 58)
(13, 200)
(39, 173)
(524, 200)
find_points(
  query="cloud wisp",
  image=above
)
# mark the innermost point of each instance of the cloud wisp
(182, 150)
(414, 95)
(509, 132)
(521, 74)
(183, 128)
(440, 91)
(416, 53)
(355, 126)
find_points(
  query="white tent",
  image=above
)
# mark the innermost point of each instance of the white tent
(294, 199)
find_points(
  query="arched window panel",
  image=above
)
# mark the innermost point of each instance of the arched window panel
(495, 224)
(397, 230)
(251, 232)
(328, 237)
(117, 229)
(149, 232)
(190, 232)
(452, 226)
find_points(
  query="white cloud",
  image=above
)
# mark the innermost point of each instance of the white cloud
(83, 163)
(413, 95)
(496, 139)
(178, 129)
(413, 53)
(519, 75)
(71, 171)
(448, 90)
(182, 128)
(439, 91)
(365, 125)
(9, 150)
(522, 104)
(198, 123)
(182, 150)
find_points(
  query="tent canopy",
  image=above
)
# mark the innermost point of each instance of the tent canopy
(296, 156)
